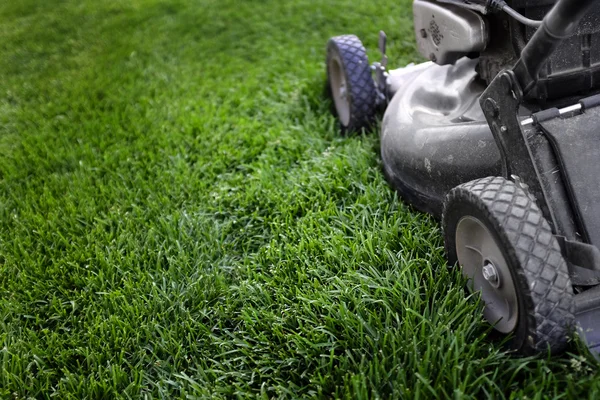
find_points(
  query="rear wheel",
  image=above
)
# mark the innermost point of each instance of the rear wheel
(350, 83)
(505, 247)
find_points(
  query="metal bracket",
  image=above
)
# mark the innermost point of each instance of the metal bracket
(382, 48)
(520, 158)
(500, 103)
(381, 74)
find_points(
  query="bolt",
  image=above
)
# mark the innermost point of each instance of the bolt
(423, 33)
(490, 274)
(503, 129)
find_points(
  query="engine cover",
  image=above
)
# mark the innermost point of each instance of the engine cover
(446, 32)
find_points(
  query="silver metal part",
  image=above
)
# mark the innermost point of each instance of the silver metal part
(490, 274)
(527, 121)
(482, 261)
(446, 32)
(563, 111)
(380, 69)
(382, 48)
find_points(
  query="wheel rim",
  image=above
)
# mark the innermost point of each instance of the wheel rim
(339, 90)
(484, 264)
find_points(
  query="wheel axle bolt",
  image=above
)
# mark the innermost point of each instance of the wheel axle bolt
(490, 273)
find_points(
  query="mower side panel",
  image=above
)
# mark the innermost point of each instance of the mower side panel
(575, 141)
(434, 134)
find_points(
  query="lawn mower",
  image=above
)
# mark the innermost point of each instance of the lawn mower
(497, 135)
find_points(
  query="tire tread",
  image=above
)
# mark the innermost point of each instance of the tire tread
(528, 236)
(363, 95)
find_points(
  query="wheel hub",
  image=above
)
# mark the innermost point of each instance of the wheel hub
(343, 91)
(483, 262)
(339, 90)
(490, 274)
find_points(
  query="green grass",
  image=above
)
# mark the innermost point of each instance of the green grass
(180, 218)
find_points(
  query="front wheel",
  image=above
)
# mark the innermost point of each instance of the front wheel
(505, 247)
(350, 83)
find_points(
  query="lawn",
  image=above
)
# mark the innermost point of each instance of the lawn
(179, 217)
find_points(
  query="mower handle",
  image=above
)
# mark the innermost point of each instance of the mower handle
(560, 23)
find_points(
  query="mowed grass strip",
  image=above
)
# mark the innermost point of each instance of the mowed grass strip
(180, 218)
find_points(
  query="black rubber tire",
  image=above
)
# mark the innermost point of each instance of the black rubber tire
(361, 91)
(538, 269)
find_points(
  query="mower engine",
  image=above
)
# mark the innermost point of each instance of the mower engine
(447, 30)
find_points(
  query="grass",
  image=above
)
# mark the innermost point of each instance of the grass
(180, 218)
